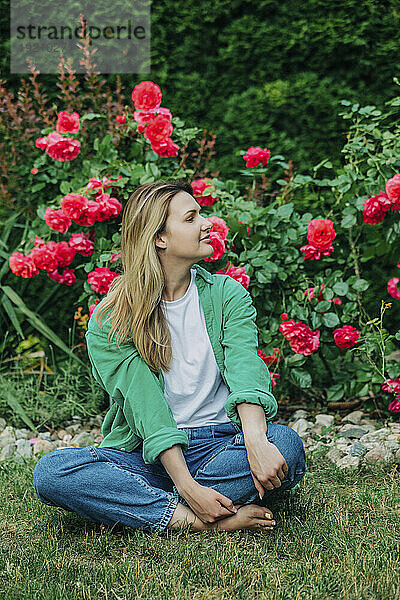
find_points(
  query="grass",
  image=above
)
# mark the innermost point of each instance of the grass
(338, 537)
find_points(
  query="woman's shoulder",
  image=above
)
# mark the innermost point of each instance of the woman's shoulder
(105, 324)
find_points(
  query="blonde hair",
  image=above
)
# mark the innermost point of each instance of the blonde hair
(134, 297)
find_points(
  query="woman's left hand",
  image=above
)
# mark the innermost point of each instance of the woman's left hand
(267, 465)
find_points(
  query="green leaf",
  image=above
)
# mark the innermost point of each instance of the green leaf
(301, 377)
(323, 306)
(11, 313)
(38, 324)
(296, 360)
(91, 116)
(285, 210)
(340, 288)
(335, 393)
(65, 187)
(397, 336)
(17, 408)
(348, 221)
(360, 285)
(330, 319)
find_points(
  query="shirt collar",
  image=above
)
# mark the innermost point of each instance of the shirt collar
(206, 275)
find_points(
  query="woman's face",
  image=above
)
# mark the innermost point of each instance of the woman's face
(185, 229)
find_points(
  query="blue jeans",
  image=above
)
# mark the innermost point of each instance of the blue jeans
(111, 486)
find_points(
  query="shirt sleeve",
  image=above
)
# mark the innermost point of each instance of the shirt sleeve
(123, 373)
(246, 374)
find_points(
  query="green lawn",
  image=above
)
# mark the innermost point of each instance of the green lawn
(338, 537)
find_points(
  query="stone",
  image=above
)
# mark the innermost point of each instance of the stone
(378, 454)
(61, 433)
(84, 439)
(22, 434)
(316, 429)
(299, 414)
(7, 451)
(375, 436)
(353, 417)
(3, 424)
(67, 438)
(7, 436)
(44, 436)
(358, 449)
(43, 446)
(345, 427)
(327, 420)
(393, 436)
(98, 420)
(354, 432)
(348, 462)
(73, 429)
(397, 455)
(23, 450)
(334, 454)
(301, 427)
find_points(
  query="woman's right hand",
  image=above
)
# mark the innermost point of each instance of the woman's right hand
(208, 504)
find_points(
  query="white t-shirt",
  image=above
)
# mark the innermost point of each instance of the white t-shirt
(194, 388)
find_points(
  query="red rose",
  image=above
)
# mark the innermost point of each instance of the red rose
(21, 265)
(41, 143)
(44, 258)
(108, 207)
(62, 149)
(219, 246)
(393, 191)
(391, 385)
(392, 288)
(100, 279)
(73, 205)
(93, 306)
(89, 214)
(57, 220)
(346, 336)
(81, 244)
(238, 273)
(284, 316)
(34, 171)
(146, 95)
(311, 253)
(321, 233)
(301, 339)
(67, 276)
(166, 148)
(158, 129)
(273, 377)
(394, 406)
(375, 208)
(202, 189)
(120, 119)
(63, 252)
(67, 123)
(256, 155)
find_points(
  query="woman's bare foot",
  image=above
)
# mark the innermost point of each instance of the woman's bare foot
(248, 516)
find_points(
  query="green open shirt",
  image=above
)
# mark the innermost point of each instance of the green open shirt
(139, 411)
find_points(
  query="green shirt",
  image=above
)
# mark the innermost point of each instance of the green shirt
(139, 411)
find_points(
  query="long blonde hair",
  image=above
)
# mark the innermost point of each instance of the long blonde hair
(134, 297)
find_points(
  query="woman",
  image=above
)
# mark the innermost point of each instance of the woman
(188, 438)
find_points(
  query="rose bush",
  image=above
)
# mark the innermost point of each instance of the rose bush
(326, 288)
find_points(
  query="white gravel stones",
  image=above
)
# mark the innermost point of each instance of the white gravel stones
(351, 441)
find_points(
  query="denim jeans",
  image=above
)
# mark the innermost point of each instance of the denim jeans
(113, 486)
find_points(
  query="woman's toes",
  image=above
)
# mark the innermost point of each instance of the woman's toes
(260, 512)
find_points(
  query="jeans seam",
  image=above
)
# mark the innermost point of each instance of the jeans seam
(202, 467)
(169, 511)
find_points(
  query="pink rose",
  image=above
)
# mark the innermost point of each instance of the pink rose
(158, 129)
(393, 191)
(392, 288)
(44, 258)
